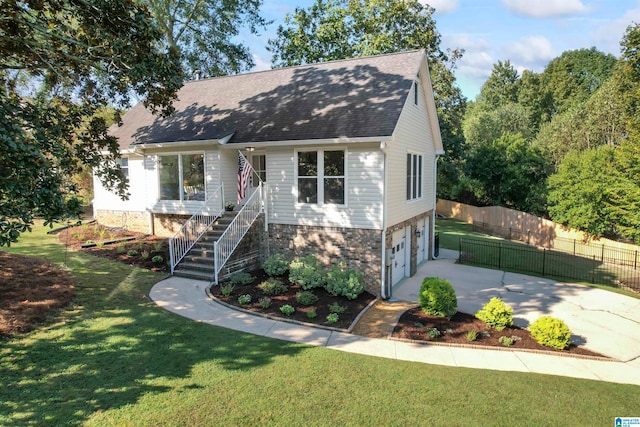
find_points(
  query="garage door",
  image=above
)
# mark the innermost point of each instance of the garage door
(398, 256)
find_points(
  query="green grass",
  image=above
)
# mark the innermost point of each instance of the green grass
(115, 359)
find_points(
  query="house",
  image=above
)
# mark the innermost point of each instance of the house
(344, 156)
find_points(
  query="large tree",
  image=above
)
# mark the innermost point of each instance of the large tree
(60, 62)
(338, 29)
(205, 32)
(501, 88)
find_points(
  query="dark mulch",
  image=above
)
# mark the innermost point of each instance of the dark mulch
(31, 289)
(414, 324)
(138, 252)
(353, 307)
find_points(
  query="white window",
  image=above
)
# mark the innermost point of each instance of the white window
(414, 176)
(259, 164)
(123, 162)
(181, 177)
(321, 176)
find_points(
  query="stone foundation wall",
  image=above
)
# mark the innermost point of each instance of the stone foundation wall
(360, 249)
(249, 254)
(166, 225)
(132, 221)
(413, 223)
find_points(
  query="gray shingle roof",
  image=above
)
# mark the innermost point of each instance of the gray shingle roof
(352, 98)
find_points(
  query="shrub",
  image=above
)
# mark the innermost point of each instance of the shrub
(496, 313)
(433, 332)
(551, 332)
(307, 272)
(306, 298)
(273, 286)
(336, 308)
(275, 265)
(241, 278)
(265, 302)
(472, 335)
(244, 299)
(506, 341)
(132, 252)
(437, 297)
(226, 289)
(332, 318)
(157, 246)
(157, 259)
(287, 310)
(145, 254)
(120, 249)
(345, 282)
(311, 314)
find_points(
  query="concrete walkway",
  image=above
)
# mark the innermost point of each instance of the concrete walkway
(620, 335)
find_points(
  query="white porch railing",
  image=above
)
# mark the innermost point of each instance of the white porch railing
(195, 227)
(227, 243)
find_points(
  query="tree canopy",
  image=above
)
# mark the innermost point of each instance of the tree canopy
(205, 32)
(60, 62)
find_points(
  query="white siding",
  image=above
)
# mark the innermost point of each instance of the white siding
(107, 200)
(413, 134)
(364, 190)
(229, 174)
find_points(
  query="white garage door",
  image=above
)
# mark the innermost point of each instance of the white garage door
(398, 256)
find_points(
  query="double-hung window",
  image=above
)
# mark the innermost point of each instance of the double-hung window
(414, 176)
(321, 177)
(182, 177)
(123, 162)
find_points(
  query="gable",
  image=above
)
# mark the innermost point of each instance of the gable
(354, 98)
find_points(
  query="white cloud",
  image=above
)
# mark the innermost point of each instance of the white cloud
(261, 64)
(442, 6)
(466, 41)
(607, 36)
(532, 50)
(545, 8)
(476, 65)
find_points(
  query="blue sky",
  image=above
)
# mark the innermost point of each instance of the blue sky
(529, 33)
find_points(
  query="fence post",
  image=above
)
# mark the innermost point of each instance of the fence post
(500, 256)
(574, 246)
(635, 260)
(544, 259)
(602, 256)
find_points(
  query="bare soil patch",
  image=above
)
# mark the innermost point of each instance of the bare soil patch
(31, 289)
(321, 307)
(415, 324)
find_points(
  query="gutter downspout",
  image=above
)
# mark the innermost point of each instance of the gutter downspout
(435, 201)
(383, 270)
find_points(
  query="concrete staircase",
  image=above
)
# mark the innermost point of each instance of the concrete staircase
(198, 263)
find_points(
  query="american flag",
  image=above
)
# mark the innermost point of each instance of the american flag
(244, 172)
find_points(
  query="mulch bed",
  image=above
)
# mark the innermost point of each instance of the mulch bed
(414, 324)
(352, 307)
(30, 290)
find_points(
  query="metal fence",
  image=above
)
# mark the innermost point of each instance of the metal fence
(603, 268)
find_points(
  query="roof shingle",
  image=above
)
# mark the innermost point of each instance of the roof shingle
(360, 97)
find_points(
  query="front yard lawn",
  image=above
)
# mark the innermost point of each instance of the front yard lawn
(114, 358)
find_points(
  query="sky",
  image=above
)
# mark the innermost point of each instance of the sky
(529, 33)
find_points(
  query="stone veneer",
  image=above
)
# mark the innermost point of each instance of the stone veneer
(360, 249)
(413, 223)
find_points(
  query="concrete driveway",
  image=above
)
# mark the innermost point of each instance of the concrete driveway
(602, 321)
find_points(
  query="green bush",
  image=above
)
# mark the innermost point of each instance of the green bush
(306, 298)
(265, 302)
(344, 282)
(244, 299)
(287, 310)
(496, 313)
(433, 332)
(336, 308)
(241, 278)
(132, 252)
(551, 332)
(275, 265)
(311, 314)
(307, 272)
(273, 286)
(472, 335)
(157, 259)
(437, 297)
(506, 341)
(332, 318)
(226, 289)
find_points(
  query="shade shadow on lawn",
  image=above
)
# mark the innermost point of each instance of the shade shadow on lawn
(111, 347)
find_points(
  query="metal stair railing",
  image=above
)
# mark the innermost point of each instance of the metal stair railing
(189, 234)
(229, 240)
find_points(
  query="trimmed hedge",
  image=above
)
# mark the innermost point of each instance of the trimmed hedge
(437, 297)
(551, 332)
(496, 313)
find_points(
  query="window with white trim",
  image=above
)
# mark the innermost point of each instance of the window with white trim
(321, 176)
(181, 177)
(414, 176)
(123, 162)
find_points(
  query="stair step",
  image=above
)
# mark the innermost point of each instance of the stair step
(196, 266)
(191, 274)
(198, 259)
